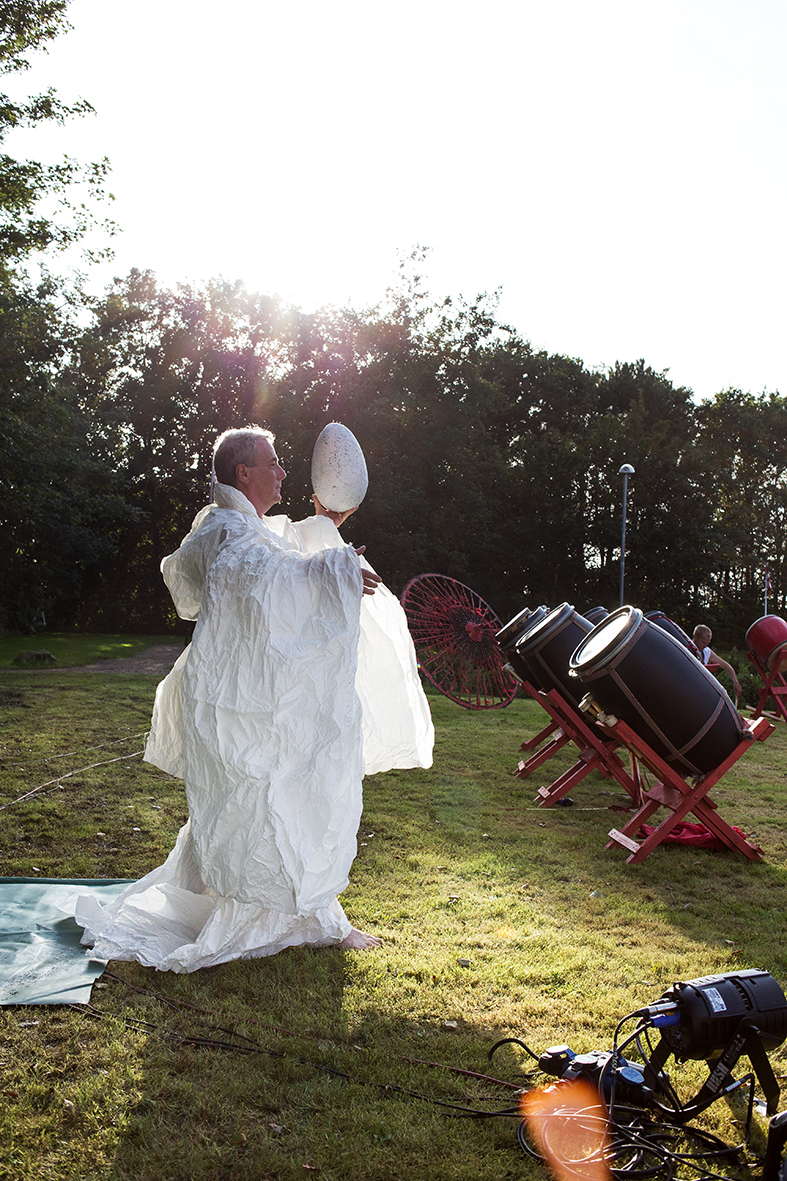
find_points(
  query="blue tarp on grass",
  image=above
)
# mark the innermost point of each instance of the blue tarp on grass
(41, 959)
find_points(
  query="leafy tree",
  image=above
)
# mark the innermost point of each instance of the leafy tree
(488, 461)
(671, 538)
(57, 507)
(27, 25)
(743, 444)
(162, 373)
(58, 503)
(415, 383)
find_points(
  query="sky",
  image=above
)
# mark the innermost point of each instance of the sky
(616, 168)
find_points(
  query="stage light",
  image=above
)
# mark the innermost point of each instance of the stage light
(712, 1007)
(718, 1019)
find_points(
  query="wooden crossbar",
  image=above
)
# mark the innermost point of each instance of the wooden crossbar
(597, 750)
(774, 684)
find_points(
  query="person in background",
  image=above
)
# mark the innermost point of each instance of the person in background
(702, 637)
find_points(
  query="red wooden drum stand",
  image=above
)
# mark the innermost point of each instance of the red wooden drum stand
(774, 685)
(678, 795)
(596, 750)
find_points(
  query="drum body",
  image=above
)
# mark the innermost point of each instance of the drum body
(663, 621)
(767, 638)
(511, 631)
(546, 650)
(511, 635)
(637, 671)
(595, 615)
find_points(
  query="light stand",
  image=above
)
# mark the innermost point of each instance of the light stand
(625, 471)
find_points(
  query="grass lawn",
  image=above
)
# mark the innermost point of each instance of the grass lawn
(497, 918)
(74, 648)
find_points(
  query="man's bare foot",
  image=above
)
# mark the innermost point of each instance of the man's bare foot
(360, 941)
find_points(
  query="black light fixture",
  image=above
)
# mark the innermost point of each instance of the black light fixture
(715, 1019)
(719, 1019)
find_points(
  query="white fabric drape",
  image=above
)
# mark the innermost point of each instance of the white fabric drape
(294, 686)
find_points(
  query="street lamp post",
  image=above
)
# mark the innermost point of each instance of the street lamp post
(626, 471)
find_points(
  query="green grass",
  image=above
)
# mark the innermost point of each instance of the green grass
(557, 936)
(78, 648)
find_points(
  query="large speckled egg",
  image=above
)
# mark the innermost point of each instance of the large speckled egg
(339, 476)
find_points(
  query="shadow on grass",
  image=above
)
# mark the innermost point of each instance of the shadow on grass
(341, 1096)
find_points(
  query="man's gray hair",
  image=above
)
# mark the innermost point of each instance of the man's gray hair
(235, 446)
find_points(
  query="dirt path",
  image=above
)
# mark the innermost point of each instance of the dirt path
(156, 661)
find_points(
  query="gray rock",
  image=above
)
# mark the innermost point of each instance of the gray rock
(40, 657)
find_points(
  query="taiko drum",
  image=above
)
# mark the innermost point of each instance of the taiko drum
(767, 639)
(640, 673)
(546, 650)
(511, 635)
(663, 621)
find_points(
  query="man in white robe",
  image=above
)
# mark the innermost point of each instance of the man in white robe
(301, 678)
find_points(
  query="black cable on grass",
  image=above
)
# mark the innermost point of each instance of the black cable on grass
(71, 753)
(28, 795)
(256, 1048)
(484, 1078)
(512, 1041)
(179, 1004)
(642, 1149)
(175, 1003)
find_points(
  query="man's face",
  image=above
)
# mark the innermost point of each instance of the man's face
(261, 484)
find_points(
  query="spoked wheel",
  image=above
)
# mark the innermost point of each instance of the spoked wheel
(454, 631)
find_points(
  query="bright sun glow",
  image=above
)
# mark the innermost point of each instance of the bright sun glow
(617, 168)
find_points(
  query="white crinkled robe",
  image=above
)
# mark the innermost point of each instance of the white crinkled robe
(295, 685)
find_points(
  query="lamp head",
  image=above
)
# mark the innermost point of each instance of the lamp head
(626, 470)
(712, 1007)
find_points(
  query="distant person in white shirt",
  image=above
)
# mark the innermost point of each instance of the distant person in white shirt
(702, 638)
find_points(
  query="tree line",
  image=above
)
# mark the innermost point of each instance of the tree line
(489, 461)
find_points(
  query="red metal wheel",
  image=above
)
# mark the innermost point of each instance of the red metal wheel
(454, 632)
